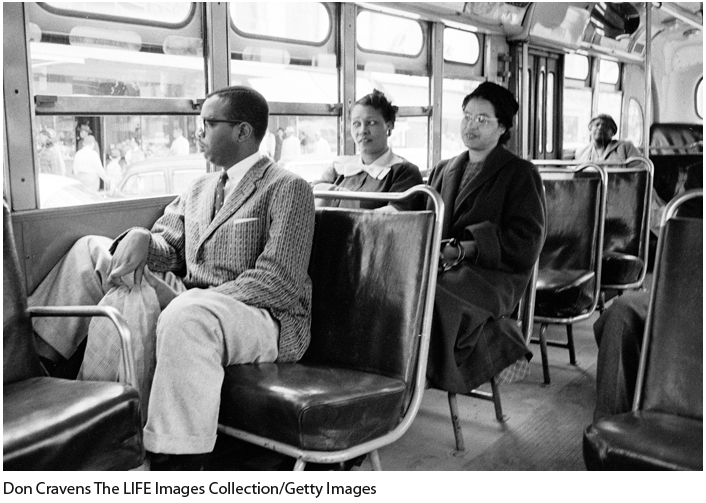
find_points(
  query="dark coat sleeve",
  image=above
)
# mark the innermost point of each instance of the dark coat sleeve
(405, 176)
(513, 243)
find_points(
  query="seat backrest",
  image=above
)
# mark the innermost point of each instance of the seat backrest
(627, 209)
(671, 368)
(19, 360)
(575, 207)
(369, 284)
(675, 138)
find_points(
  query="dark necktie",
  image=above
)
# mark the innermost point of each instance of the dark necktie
(220, 192)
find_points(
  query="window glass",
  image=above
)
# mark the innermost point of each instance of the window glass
(610, 102)
(302, 21)
(123, 147)
(610, 72)
(167, 12)
(635, 122)
(577, 114)
(305, 145)
(461, 46)
(181, 178)
(145, 184)
(550, 112)
(576, 67)
(409, 140)
(451, 114)
(378, 32)
(540, 114)
(402, 90)
(76, 56)
(303, 72)
(700, 98)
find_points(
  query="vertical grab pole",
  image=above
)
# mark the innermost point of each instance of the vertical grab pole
(648, 80)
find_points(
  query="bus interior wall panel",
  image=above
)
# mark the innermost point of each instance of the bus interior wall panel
(47, 236)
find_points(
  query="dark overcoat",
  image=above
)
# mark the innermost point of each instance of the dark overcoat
(503, 210)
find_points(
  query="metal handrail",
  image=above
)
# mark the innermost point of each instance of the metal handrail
(109, 312)
(669, 213)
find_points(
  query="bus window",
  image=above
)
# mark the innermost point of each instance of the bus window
(635, 122)
(409, 140)
(172, 13)
(577, 114)
(79, 53)
(278, 20)
(451, 114)
(286, 51)
(700, 98)
(610, 98)
(461, 46)
(121, 143)
(550, 112)
(377, 32)
(576, 67)
(305, 145)
(577, 103)
(610, 72)
(391, 54)
(146, 184)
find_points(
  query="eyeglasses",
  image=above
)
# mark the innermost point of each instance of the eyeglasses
(481, 120)
(203, 124)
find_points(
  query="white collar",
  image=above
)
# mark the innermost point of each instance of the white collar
(238, 170)
(350, 165)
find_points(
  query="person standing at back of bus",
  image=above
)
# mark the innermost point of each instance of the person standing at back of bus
(376, 168)
(240, 242)
(602, 146)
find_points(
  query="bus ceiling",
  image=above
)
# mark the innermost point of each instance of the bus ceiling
(604, 28)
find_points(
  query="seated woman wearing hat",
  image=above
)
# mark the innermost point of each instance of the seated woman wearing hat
(494, 217)
(602, 146)
(376, 168)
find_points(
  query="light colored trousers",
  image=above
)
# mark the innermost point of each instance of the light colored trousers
(197, 335)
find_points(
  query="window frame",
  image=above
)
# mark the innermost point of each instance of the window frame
(283, 40)
(420, 24)
(698, 94)
(120, 19)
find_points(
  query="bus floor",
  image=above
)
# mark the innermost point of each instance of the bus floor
(543, 428)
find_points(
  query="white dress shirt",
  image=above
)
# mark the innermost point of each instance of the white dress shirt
(237, 171)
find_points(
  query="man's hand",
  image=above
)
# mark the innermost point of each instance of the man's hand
(130, 256)
(165, 293)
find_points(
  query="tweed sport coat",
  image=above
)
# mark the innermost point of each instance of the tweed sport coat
(256, 249)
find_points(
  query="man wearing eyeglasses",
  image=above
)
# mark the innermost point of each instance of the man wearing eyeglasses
(228, 264)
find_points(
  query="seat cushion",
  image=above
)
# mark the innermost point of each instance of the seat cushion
(644, 440)
(57, 424)
(620, 269)
(309, 406)
(564, 293)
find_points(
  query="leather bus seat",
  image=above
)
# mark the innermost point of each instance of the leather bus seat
(568, 281)
(372, 299)
(51, 423)
(674, 148)
(626, 233)
(664, 430)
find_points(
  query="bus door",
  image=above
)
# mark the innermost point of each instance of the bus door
(544, 104)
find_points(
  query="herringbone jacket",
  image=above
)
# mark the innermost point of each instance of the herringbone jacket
(255, 250)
